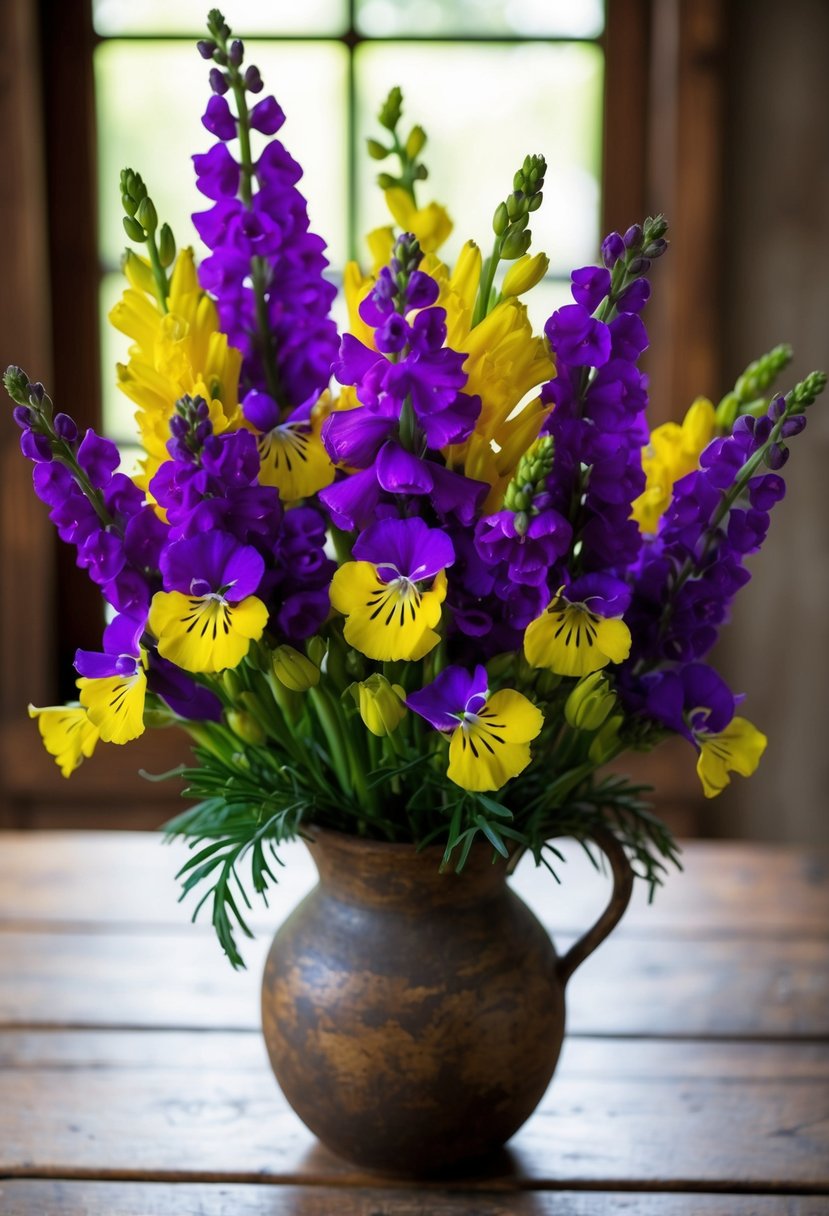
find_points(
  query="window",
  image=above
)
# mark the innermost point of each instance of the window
(510, 78)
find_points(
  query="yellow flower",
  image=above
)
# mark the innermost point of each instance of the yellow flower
(381, 704)
(672, 452)
(504, 362)
(174, 353)
(491, 746)
(570, 640)
(67, 734)
(736, 749)
(387, 620)
(293, 458)
(115, 704)
(430, 224)
(524, 274)
(205, 633)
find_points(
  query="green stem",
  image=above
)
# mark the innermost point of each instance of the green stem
(159, 274)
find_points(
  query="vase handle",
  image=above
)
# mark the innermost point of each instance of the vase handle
(613, 913)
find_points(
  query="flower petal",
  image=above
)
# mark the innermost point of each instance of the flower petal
(736, 749)
(387, 620)
(205, 634)
(115, 705)
(67, 734)
(571, 640)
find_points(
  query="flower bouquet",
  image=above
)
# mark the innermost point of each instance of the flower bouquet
(418, 583)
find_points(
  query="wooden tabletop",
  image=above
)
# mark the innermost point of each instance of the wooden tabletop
(133, 1079)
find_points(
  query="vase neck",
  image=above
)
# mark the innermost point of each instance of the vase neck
(371, 872)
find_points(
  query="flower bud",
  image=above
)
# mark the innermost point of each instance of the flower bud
(381, 704)
(376, 150)
(524, 275)
(205, 47)
(606, 743)
(253, 79)
(317, 650)
(133, 229)
(294, 670)
(218, 81)
(23, 416)
(65, 427)
(385, 181)
(237, 52)
(613, 247)
(500, 220)
(147, 215)
(633, 236)
(166, 246)
(727, 412)
(589, 703)
(138, 271)
(246, 727)
(416, 142)
(516, 244)
(16, 383)
(233, 686)
(776, 456)
(639, 266)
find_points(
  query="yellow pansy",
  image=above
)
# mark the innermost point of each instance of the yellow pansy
(736, 749)
(672, 452)
(387, 620)
(205, 633)
(493, 745)
(67, 734)
(292, 456)
(571, 640)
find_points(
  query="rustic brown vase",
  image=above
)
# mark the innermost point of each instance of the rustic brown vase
(414, 1018)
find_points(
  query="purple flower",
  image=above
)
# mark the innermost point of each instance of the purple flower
(212, 563)
(530, 553)
(99, 458)
(185, 697)
(122, 650)
(218, 118)
(217, 174)
(577, 338)
(405, 548)
(453, 693)
(267, 116)
(590, 286)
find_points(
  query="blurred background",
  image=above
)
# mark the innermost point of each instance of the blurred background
(715, 112)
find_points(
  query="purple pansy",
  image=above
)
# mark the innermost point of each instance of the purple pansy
(405, 548)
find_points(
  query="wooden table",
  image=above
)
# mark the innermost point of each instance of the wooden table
(133, 1081)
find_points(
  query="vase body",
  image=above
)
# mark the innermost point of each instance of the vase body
(413, 1018)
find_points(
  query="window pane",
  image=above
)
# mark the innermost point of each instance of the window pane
(247, 17)
(150, 97)
(484, 108)
(476, 18)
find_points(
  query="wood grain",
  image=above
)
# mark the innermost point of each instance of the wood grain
(70, 879)
(62, 1198)
(726, 986)
(678, 1123)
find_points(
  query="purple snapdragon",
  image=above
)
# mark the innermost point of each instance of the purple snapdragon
(411, 403)
(266, 265)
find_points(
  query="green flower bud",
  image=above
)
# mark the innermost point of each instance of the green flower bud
(516, 244)
(134, 230)
(147, 215)
(515, 206)
(166, 246)
(416, 142)
(421, 173)
(606, 743)
(317, 650)
(381, 704)
(391, 109)
(17, 384)
(500, 221)
(246, 727)
(726, 412)
(293, 669)
(589, 703)
(386, 182)
(376, 150)
(521, 523)
(232, 684)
